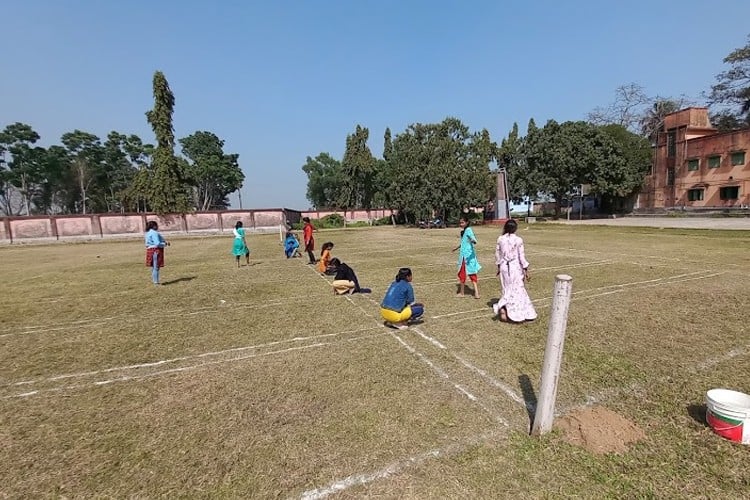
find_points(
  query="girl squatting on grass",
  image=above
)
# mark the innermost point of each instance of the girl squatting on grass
(398, 308)
(155, 244)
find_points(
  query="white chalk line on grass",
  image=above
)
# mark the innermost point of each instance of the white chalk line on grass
(614, 392)
(496, 278)
(182, 369)
(639, 257)
(130, 317)
(444, 375)
(509, 391)
(152, 364)
(422, 357)
(621, 286)
(429, 339)
(395, 468)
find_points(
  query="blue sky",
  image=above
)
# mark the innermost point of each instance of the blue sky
(280, 81)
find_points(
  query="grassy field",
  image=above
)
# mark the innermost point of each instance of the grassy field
(259, 382)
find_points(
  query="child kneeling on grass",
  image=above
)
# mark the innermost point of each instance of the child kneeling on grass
(345, 280)
(398, 308)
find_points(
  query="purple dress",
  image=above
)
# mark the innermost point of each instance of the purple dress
(509, 255)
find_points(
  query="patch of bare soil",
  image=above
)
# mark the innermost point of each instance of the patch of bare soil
(599, 430)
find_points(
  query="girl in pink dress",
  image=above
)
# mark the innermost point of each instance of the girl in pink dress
(513, 269)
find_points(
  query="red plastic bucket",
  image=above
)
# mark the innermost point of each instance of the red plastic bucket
(728, 414)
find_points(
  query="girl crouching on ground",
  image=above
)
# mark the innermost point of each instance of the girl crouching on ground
(398, 308)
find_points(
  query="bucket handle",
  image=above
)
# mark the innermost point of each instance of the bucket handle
(729, 427)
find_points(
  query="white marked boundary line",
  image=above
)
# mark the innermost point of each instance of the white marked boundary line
(394, 468)
(130, 378)
(445, 376)
(186, 358)
(612, 292)
(680, 260)
(495, 278)
(422, 357)
(613, 392)
(631, 285)
(131, 318)
(429, 339)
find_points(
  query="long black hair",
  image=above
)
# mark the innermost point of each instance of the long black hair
(510, 226)
(238, 224)
(465, 218)
(403, 274)
(326, 246)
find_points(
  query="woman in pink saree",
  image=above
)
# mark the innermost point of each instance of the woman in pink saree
(513, 269)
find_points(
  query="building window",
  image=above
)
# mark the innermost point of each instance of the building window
(714, 161)
(671, 143)
(670, 176)
(693, 164)
(738, 158)
(729, 193)
(695, 194)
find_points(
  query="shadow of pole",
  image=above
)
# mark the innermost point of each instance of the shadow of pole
(529, 397)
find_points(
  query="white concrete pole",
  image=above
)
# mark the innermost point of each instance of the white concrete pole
(545, 410)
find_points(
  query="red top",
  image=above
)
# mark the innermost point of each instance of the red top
(307, 232)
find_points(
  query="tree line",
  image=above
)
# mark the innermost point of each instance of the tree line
(121, 173)
(445, 168)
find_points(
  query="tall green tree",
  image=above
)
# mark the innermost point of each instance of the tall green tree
(387, 144)
(119, 171)
(323, 180)
(565, 156)
(25, 168)
(213, 174)
(617, 181)
(731, 93)
(141, 157)
(441, 168)
(510, 157)
(357, 172)
(167, 192)
(57, 193)
(86, 160)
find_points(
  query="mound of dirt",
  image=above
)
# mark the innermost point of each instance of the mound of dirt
(599, 430)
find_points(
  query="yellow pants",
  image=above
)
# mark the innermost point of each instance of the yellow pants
(342, 286)
(396, 317)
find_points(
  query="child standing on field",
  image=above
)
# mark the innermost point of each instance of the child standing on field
(513, 269)
(155, 244)
(307, 235)
(240, 245)
(467, 259)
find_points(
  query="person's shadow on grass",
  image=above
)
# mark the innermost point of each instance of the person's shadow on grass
(178, 280)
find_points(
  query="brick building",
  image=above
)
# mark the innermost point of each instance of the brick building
(697, 167)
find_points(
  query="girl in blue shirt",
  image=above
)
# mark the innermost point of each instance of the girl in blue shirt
(155, 244)
(398, 308)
